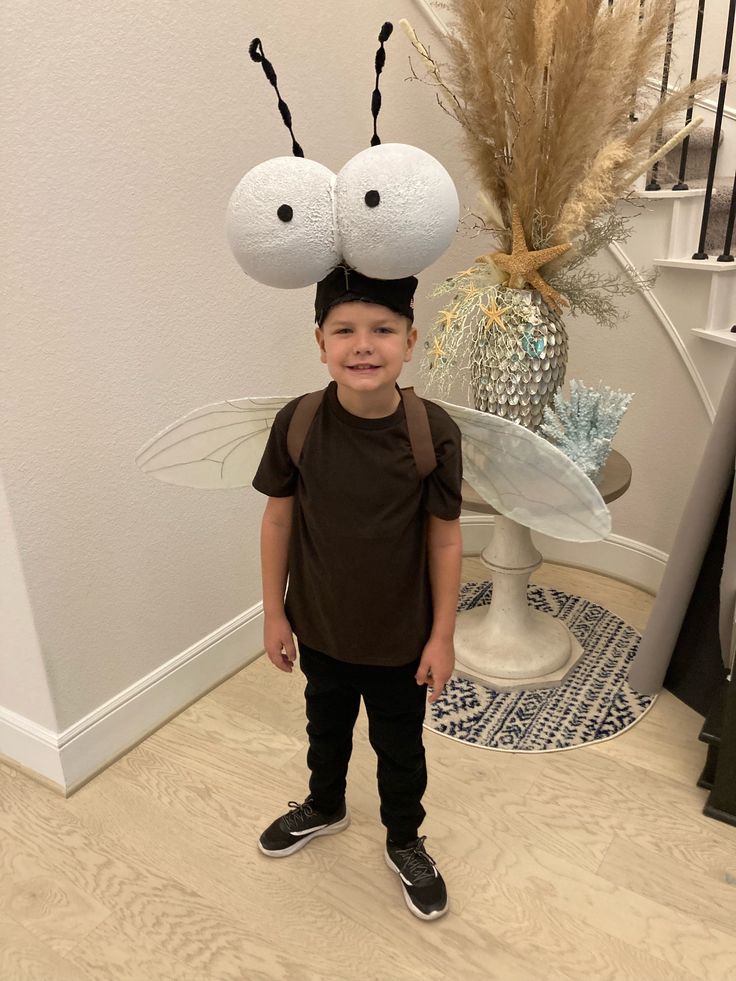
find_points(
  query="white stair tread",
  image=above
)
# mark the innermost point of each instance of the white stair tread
(719, 336)
(668, 194)
(709, 265)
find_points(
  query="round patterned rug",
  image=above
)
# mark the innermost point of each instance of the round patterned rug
(594, 703)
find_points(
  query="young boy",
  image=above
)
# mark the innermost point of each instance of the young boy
(373, 556)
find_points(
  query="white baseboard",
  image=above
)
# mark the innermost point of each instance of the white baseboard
(65, 761)
(30, 748)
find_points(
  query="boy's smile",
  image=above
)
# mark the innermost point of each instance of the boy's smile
(365, 346)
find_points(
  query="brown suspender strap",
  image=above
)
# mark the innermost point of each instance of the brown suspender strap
(300, 422)
(417, 422)
(420, 435)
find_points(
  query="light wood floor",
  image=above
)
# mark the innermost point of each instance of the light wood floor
(590, 864)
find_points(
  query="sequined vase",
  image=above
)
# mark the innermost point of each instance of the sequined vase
(517, 365)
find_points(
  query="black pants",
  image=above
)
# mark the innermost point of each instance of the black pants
(395, 705)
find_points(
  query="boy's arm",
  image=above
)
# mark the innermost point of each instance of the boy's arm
(444, 554)
(275, 534)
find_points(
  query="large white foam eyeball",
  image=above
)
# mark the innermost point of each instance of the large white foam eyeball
(280, 222)
(397, 210)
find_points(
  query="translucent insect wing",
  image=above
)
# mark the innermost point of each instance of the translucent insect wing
(215, 446)
(527, 479)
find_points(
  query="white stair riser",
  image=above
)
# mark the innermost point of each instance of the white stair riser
(685, 210)
(722, 305)
(687, 217)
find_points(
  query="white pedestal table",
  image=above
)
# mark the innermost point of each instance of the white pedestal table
(507, 644)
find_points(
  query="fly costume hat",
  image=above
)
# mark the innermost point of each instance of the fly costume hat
(365, 232)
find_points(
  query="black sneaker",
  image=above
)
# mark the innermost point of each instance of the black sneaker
(293, 830)
(424, 888)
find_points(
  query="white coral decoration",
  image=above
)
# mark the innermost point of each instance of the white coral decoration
(584, 426)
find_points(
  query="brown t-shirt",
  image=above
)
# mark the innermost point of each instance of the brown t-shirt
(359, 587)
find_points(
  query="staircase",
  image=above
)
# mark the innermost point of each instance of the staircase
(679, 215)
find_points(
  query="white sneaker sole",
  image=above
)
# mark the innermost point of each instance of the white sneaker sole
(331, 829)
(434, 915)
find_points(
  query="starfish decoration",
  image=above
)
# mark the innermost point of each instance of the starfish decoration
(437, 350)
(466, 272)
(494, 313)
(522, 265)
(448, 316)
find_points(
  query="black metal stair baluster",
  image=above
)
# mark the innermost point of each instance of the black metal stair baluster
(727, 255)
(681, 185)
(653, 184)
(701, 253)
(633, 118)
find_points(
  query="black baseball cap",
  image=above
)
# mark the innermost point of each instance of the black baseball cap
(344, 284)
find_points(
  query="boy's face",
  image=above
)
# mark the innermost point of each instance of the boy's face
(359, 333)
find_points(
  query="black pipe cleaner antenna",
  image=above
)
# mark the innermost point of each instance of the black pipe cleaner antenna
(386, 32)
(258, 56)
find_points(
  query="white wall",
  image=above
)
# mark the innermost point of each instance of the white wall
(22, 665)
(128, 128)
(710, 62)
(711, 46)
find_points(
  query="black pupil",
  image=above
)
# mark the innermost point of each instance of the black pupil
(285, 212)
(372, 199)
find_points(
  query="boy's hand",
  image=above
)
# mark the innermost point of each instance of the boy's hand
(437, 662)
(279, 642)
